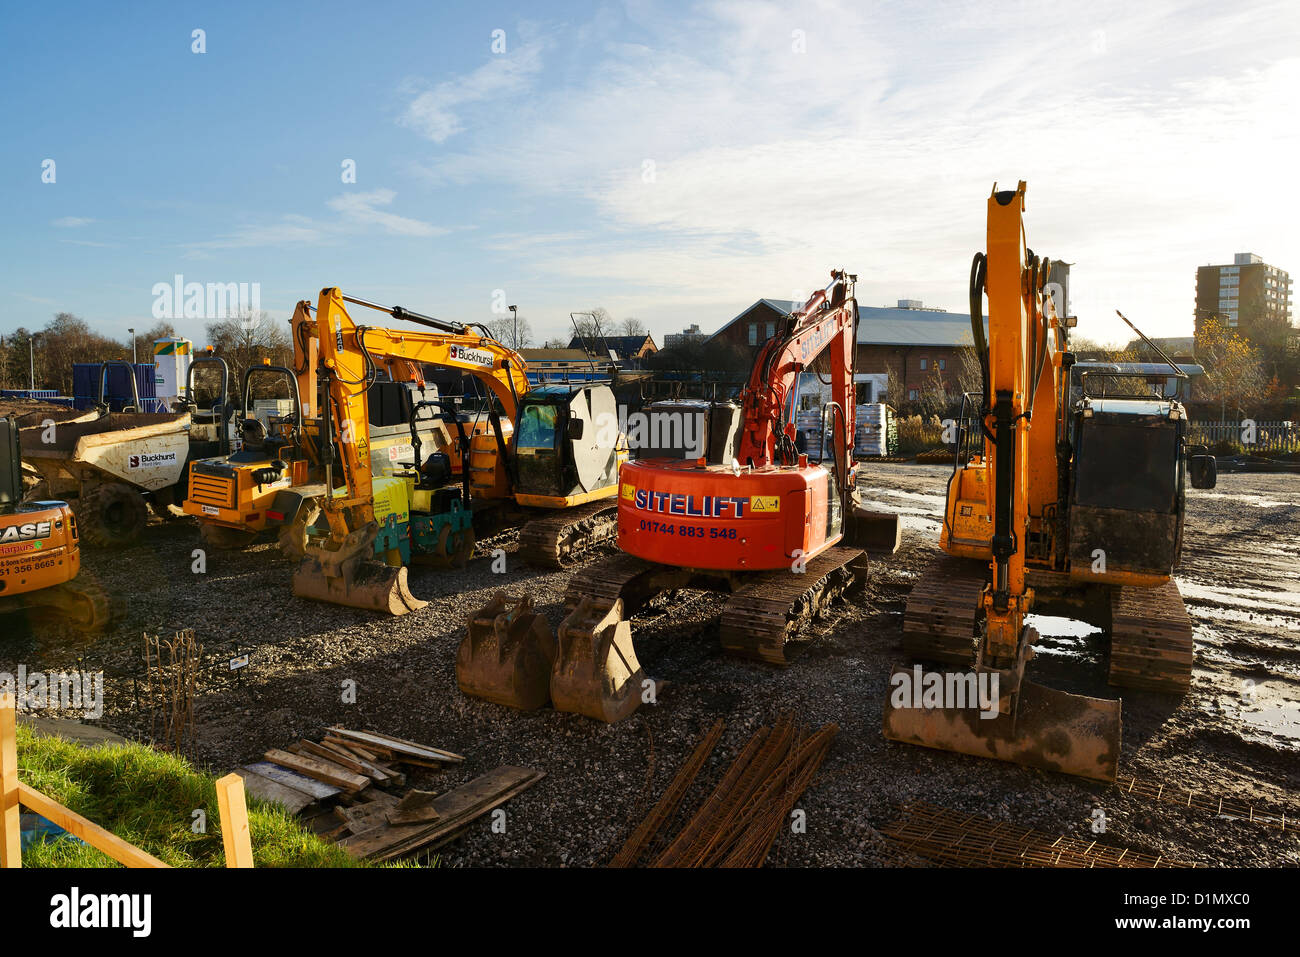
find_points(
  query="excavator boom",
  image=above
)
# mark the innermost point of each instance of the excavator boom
(1020, 419)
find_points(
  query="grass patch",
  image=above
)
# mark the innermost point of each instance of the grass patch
(148, 797)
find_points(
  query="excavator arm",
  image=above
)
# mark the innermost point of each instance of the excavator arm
(342, 570)
(1021, 419)
(825, 323)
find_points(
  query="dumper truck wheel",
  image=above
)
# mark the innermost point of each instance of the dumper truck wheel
(221, 537)
(111, 515)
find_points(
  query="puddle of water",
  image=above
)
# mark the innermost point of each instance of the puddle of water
(1067, 636)
(1256, 500)
(1253, 617)
(938, 501)
(1268, 710)
(1268, 601)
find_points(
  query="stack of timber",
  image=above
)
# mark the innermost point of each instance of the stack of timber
(744, 813)
(351, 787)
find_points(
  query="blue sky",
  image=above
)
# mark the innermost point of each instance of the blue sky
(669, 161)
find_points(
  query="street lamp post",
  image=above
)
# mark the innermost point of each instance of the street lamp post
(31, 353)
(132, 331)
(514, 312)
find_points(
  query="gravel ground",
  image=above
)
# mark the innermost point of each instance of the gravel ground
(1240, 577)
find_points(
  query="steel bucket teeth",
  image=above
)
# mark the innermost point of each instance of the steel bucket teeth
(1051, 729)
(507, 655)
(597, 673)
(349, 575)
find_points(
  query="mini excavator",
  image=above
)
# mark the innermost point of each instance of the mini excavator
(1067, 497)
(548, 458)
(40, 553)
(753, 517)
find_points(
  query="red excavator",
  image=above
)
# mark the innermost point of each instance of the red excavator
(722, 498)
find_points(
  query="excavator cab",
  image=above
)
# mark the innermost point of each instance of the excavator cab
(565, 443)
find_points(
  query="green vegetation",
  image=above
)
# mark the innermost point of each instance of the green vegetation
(919, 434)
(148, 797)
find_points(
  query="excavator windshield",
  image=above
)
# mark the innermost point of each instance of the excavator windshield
(536, 428)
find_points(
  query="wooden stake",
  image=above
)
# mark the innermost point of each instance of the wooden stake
(11, 838)
(234, 821)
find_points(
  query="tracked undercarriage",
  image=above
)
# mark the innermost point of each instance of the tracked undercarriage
(596, 671)
(81, 604)
(567, 536)
(1149, 630)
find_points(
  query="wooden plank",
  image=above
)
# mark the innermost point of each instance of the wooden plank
(119, 850)
(378, 773)
(317, 790)
(373, 753)
(264, 789)
(415, 808)
(321, 770)
(456, 808)
(398, 744)
(11, 836)
(349, 763)
(233, 809)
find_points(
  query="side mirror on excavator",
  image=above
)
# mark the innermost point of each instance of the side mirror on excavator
(1203, 471)
(574, 430)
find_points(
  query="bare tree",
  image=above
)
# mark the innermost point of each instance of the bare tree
(509, 333)
(631, 326)
(244, 340)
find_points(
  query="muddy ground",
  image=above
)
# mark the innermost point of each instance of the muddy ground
(1240, 576)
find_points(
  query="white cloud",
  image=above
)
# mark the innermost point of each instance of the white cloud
(71, 222)
(356, 211)
(436, 113)
(1154, 138)
(362, 208)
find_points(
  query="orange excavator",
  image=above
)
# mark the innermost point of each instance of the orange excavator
(739, 509)
(1067, 497)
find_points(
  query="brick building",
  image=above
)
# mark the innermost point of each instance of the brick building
(900, 351)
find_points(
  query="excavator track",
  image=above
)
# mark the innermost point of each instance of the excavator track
(767, 612)
(1150, 639)
(621, 576)
(939, 622)
(565, 537)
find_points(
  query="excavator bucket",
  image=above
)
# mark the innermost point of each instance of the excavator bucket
(597, 673)
(350, 575)
(1050, 729)
(874, 531)
(508, 654)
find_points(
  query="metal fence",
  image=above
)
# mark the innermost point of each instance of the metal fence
(1251, 435)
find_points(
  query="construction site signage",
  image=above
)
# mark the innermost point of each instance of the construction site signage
(475, 357)
(151, 460)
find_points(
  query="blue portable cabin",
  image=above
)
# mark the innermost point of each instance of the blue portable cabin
(117, 387)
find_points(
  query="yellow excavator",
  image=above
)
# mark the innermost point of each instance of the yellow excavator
(40, 553)
(1067, 497)
(548, 457)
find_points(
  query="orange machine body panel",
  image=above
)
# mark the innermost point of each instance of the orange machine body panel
(710, 517)
(38, 547)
